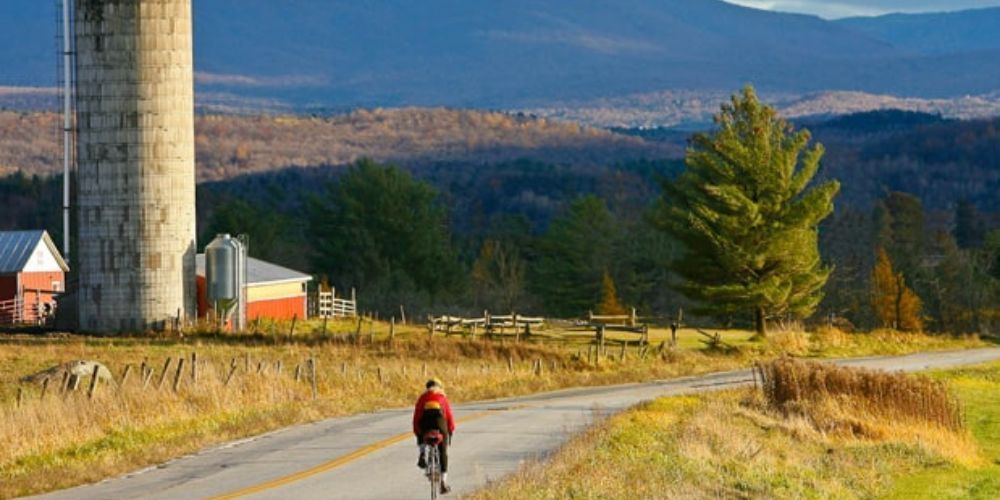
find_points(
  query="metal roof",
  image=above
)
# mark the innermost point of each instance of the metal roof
(16, 248)
(260, 272)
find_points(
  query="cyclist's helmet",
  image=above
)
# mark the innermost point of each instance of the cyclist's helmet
(435, 382)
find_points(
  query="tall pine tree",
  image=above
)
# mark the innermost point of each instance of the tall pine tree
(748, 223)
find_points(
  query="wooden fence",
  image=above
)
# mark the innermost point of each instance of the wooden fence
(329, 306)
(489, 323)
(14, 312)
(11, 311)
(629, 323)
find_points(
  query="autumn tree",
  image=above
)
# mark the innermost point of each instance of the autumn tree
(498, 275)
(742, 210)
(895, 305)
(609, 304)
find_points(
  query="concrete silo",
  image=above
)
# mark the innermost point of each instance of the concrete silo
(135, 153)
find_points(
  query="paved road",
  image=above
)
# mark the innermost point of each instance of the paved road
(372, 456)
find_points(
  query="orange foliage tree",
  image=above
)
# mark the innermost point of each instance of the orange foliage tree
(609, 298)
(895, 304)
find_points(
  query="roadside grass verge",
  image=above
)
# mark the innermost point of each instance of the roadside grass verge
(839, 440)
(979, 389)
(68, 439)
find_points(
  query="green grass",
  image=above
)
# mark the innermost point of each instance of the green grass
(729, 444)
(979, 389)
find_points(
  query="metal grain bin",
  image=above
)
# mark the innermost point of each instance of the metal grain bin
(222, 269)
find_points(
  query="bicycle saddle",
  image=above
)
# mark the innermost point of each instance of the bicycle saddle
(433, 438)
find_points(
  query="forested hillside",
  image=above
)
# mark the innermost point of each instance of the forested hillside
(526, 233)
(229, 146)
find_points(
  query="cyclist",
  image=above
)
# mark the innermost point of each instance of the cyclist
(432, 412)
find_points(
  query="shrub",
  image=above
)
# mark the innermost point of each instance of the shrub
(813, 389)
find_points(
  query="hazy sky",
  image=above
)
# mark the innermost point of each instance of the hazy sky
(846, 8)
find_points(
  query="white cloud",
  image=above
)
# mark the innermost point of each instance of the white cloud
(206, 78)
(846, 8)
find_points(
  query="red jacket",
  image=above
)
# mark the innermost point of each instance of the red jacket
(432, 400)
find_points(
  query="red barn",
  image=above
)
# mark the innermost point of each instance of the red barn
(273, 291)
(32, 274)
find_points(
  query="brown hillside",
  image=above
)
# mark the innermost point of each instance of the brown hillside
(232, 145)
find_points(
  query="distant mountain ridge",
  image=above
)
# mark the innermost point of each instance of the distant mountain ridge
(342, 54)
(695, 109)
(936, 33)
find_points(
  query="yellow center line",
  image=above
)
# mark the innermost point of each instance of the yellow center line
(342, 460)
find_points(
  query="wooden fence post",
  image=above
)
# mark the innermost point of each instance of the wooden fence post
(177, 375)
(93, 382)
(312, 376)
(166, 367)
(600, 340)
(229, 376)
(128, 371)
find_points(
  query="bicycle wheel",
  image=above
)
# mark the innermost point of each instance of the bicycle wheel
(434, 471)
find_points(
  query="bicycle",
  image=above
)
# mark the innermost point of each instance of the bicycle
(433, 439)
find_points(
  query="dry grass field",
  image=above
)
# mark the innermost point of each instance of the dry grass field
(814, 431)
(247, 385)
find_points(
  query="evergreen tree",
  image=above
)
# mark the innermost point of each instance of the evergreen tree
(969, 228)
(992, 250)
(270, 233)
(384, 232)
(902, 231)
(572, 256)
(847, 240)
(742, 210)
(895, 305)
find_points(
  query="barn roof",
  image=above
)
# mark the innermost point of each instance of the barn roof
(16, 248)
(260, 272)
